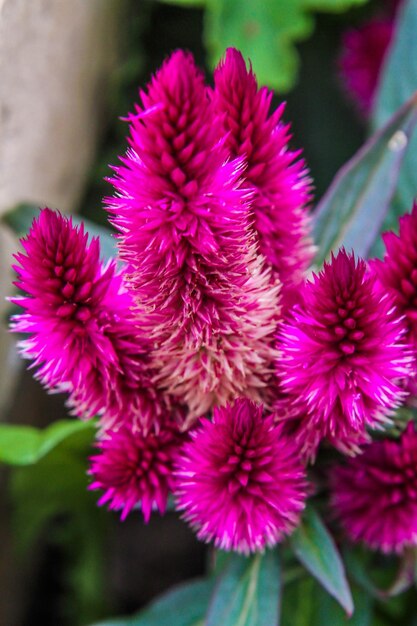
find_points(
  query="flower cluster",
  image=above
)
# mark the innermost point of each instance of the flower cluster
(215, 364)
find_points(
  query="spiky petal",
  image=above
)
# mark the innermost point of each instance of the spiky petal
(133, 468)
(375, 494)
(210, 307)
(343, 357)
(240, 482)
(277, 174)
(397, 273)
(82, 337)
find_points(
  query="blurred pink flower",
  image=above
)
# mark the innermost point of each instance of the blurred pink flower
(276, 174)
(82, 337)
(361, 59)
(343, 360)
(375, 494)
(201, 290)
(134, 468)
(397, 273)
(240, 482)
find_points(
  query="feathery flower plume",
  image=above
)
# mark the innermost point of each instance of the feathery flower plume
(361, 58)
(397, 273)
(277, 175)
(206, 300)
(133, 468)
(82, 337)
(240, 482)
(375, 494)
(342, 356)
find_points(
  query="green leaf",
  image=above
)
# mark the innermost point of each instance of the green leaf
(315, 548)
(217, 561)
(56, 484)
(397, 84)
(25, 445)
(19, 444)
(20, 219)
(352, 211)
(399, 574)
(265, 31)
(298, 602)
(53, 495)
(306, 603)
(184, 605)
(358, 564)
(248, 592)
(327, 611)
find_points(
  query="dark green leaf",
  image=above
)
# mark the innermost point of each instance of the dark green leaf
(248, 592)
(352, 211)
(327, 611)
(20, 218)
(218, 561)
(315, 548)
(56, 484)
(186, 3)
(123, 621)
(25, 445)
(358, 566)
(305, 603)
(52, 494)
(265, 31)
(298, 602)
(398, 83)
(399, 574)
(185, 605)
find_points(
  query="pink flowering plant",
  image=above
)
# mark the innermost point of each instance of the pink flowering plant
(246, 360)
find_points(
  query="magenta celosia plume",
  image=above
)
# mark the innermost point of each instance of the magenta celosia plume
(375, 494)
(397, 273)
(361, 59)
(201, 290)
(82, 337)
(343, 356)
(135, 469)
(276, 174)
(240, 482)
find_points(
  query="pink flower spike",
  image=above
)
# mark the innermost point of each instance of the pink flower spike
(276, 174)
(173, 198)
(375, 494)
(206, 300)
(135, 469)
(82, 337)
(343, 356)
(397, 273)
(240, 482)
